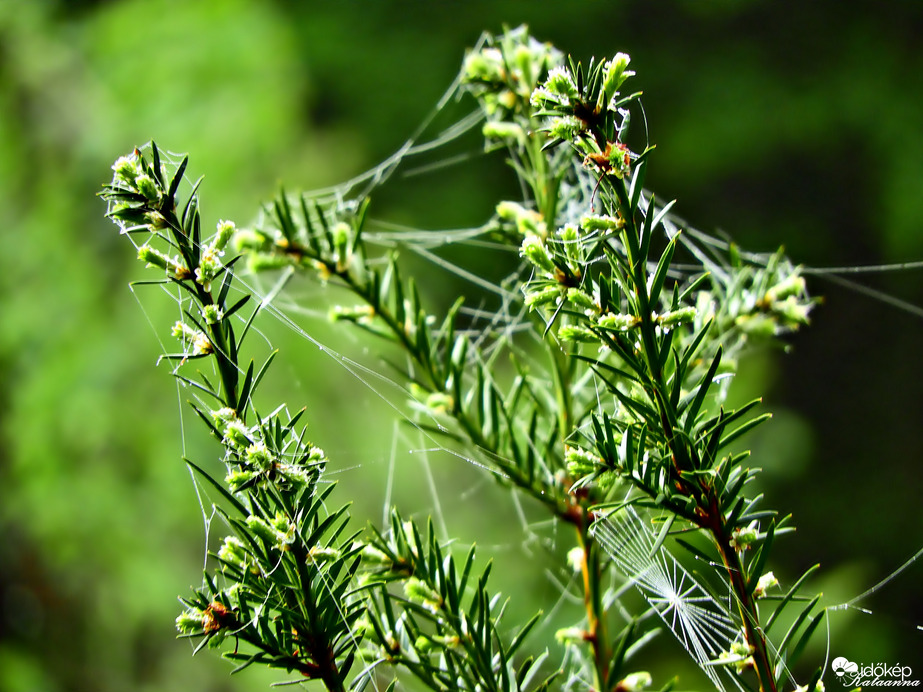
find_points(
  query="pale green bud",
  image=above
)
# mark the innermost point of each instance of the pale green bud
(615, 74)
(440, 402)
(362, 628)
(177, 269)
(571, 635)
(743, 538)
(126, 169)
(793, 285)
(223, 234)
(157, 220)
(620, 322)
(420, 592)
(223, 415)
(510, 211)
(261, 528)
(560, 83)
(792, 310)
(577, 334)
(237, 480)
(607, 479)
(580, 462)
(233, 552)
(581, 299)
(258, 455)
(565, 127)
(540, 96)
(316, 455)
(251, 240)
(498, 129)
(373, 556)
(758, 325)
(262, 261)
(546, 295)
(279, 531)
(209, 267)
(426, 644)
(296, 475)
(634, 682)
(533, 249)
(192, 337)
(677, 317)
(739, 656)
(320, 556)
(212, 314)
(484, 66)
(340, 235)
(352, 313)
(423, 644)
(147, 187)
(282, 524)
(766, 581)
(570, 238)
(190, 621)
(152, 257)
(236, 435)
(528, 221)
(596, 222)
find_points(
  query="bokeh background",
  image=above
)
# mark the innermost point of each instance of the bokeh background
(781, 123)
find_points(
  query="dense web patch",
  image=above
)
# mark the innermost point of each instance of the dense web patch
(705, 627)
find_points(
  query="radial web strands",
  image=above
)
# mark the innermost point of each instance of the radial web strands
(704, 626)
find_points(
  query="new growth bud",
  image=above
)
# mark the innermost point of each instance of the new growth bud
(619, 323)
(615, 75)
(190, 621)
(147, 187)
(766, 581)
(533, 249)
(126, 169)
(223, 234)
(577, 334)
(560, 85)
(420, 592)
(634, 682)
(193, 337)
(744, 537)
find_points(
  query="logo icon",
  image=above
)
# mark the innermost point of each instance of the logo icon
(872, 674)
(843, 666)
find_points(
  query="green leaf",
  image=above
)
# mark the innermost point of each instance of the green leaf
(744, 429)
(796, 651)
(662, 214)
(660, 274)
(662, 535)
(230, 499)
(702, 389)
(790, 594)
(758, 563)
(283, 214)
(696, 552)
(177, 178)
(802, 616)
(156, 167)
(243, 397)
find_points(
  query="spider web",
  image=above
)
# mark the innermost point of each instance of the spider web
(704, 625)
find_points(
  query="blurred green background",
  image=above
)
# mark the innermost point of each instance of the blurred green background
(795, 123)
